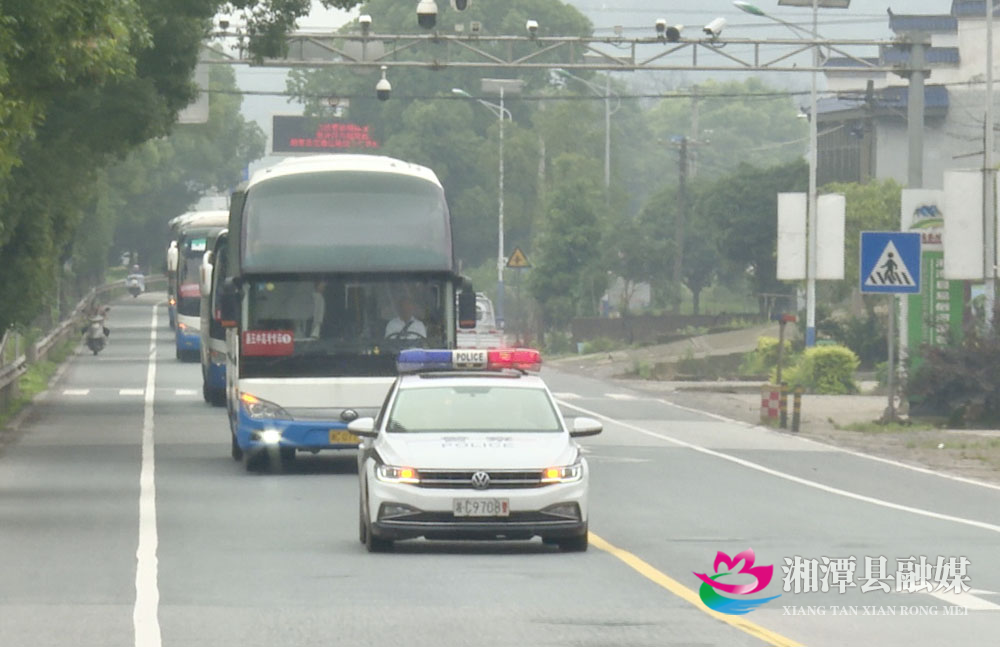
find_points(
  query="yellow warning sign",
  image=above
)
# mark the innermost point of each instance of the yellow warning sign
(518, 260)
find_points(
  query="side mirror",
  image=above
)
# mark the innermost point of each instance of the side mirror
(467, 308)
(364, 427)
(229, 304)
(585, 427)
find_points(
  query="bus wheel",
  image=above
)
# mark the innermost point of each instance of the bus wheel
(236, 451)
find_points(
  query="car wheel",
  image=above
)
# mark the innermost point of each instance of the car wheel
(372, 543)
(362, 525)
(217, 397)
(287, 454)
(178, 354)
(576, 544)
(206, 393)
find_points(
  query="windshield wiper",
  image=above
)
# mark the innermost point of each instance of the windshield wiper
(395, 426)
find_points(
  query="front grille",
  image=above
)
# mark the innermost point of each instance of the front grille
(499, 479)
(449, 518)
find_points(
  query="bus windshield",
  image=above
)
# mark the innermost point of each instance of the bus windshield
(333, 324)
(346, 222)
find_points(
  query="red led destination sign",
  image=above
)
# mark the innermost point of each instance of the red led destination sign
(311, 135)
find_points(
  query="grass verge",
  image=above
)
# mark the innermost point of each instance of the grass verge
(36, 380)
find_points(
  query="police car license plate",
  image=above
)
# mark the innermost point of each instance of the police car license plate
(342, 436)
(481, 507)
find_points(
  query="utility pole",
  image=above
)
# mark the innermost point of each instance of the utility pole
(989, 179)
(681, 216)
(915, 111)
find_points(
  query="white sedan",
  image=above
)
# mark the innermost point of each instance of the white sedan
(470, 445)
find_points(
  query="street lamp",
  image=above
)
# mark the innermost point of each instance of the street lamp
(606, 93)
(811, 242)
(501, 112)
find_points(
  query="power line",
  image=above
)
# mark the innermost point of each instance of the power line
(527, 97)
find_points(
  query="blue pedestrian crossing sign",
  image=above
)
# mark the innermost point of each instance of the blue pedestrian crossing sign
(890, 262)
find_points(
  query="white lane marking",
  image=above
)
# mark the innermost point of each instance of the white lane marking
(850, 452)
(794, 479)
(76, 391)
(131, 391)
(566, 396)
(185, 392)
(620, 396)
(145, 614)
(967, 600)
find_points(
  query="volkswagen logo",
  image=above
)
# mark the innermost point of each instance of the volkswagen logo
(480, 480)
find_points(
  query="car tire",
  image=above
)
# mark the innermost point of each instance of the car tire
(576, 544)
(178, 354)
(287, 454)
(206, 393)
(362, 525)
(374, 544)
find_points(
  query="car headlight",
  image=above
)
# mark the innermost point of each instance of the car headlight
(262, 409)
(393, 474)
(566, 474)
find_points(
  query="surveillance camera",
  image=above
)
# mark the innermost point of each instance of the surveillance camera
(661, 26)
(383, 88)
(532, 27)
(714, 28)
(674, 33)
(427, 11)
(459, 5)
(223, 24)
(475, 27)
(366, 23)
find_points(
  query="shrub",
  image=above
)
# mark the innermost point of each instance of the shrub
(601, 345)
(825, 370)
(764, 359)
(961, 382)
(557, 343)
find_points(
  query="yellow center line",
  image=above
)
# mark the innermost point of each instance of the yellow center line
(688, 595)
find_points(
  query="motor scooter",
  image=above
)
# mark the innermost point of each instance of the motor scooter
(97, 333)
(135, 284)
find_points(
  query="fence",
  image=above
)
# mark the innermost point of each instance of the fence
(18, 353)
(649, 328)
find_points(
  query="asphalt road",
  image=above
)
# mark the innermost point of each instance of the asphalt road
(123, 521)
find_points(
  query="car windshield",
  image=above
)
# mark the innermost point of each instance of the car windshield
(473, 408)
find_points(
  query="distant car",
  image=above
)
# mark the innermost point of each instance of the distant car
(486, 334)
(470, 445)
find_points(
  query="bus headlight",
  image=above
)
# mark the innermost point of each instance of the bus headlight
(262, 409)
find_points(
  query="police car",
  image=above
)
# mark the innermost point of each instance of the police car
(469, 444)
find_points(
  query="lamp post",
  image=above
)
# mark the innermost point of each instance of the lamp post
(812, 244)
(606, 93)
(501, 112)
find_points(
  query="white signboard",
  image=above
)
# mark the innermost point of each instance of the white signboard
(791, 236)
(963, 225)
(831, 209)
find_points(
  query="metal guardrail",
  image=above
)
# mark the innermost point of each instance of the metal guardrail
(11, 371)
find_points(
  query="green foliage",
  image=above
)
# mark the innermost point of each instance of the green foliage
(739, 124)
(865, 335)
(602, 345)
(825, 370)
(960, 382)
(763, 359)
(569, 278)
(558, 343)
(740, 208)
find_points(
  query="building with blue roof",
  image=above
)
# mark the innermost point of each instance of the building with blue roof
(863, 126)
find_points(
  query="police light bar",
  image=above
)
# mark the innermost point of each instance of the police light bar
(414, 360)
